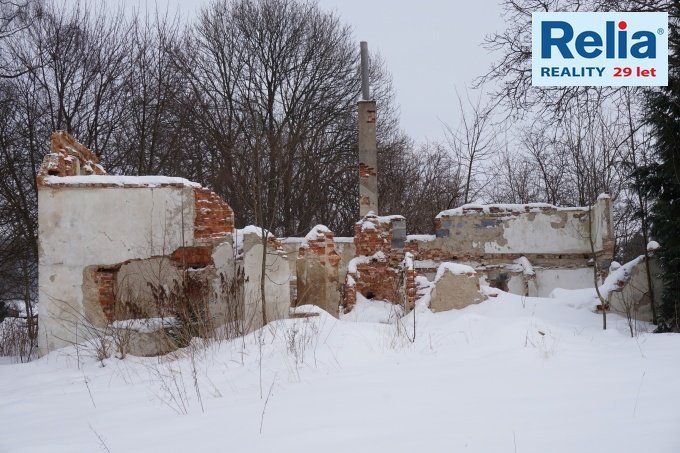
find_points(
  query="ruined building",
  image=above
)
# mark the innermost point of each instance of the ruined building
(148, 254)
(526, 249)
(117, 248)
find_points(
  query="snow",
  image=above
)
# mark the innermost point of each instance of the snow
(250, 229)
(369, 221)
(147, 181)
(367, 225)
(454, 268)
(376, 311)
(525, 265)
(408, 260)
(472, 208)
(19, 306)
(530, 375)
(423, 291)
(382, 218)
(619, 276)
(146, 325)
(354, 262)
(314, 234)
(421, 237)
(652, 246)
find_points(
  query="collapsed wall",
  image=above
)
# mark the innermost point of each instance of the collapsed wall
(115, 248)
(526, 249)
(455, 286)
(627, 290)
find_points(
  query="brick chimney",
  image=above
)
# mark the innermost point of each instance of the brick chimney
(368, 155)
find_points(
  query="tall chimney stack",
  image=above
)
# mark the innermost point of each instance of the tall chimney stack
(368, 154)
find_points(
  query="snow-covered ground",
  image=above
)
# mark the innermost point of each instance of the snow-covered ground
(511, 374)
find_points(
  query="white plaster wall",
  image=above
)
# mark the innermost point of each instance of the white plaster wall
(559, 231)
(224, 260)
(516, 284)
(344, 247)
(79, 227)
(549, 279)
(603, 230)
(277, 293)
(634, 298)
(524, 235)
(538, 235)
(347, 250)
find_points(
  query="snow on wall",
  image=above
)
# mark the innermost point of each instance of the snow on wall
(453, 268)
(627, 288)
(475, 208)
(120, 181)
(523, 229)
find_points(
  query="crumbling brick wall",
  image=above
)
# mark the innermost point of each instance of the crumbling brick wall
(317, 268)
(377, 270)
(105, 279)
(194, 256)
(69, 158)
(323, 248)
(171, 230)
(410, 284)
(214, 217)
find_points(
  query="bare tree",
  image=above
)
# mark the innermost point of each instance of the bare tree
(419, 183)
(256, 99)
(473, 142)
(517, 180)
(15, 17)
(152, 137)
(289, 71)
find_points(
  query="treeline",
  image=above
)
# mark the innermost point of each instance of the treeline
(257, 100)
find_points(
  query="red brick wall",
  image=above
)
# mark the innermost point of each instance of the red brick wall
(105, 278)
(214, 217)
(199, 256)
(323, 247)
(378, 279)
(410, 288)
(369, 241)
(349, 296)
(365, 171)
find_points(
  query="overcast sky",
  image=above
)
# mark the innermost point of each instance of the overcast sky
(431, 48)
